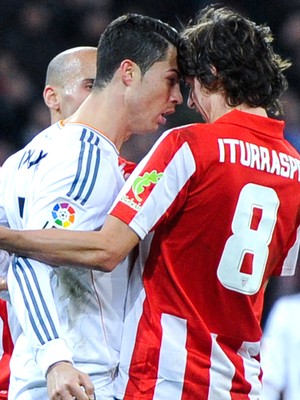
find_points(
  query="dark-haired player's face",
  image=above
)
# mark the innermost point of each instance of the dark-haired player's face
(156, 95)
(200, 99)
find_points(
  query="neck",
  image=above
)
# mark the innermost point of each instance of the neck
(54, 116)
(219, 108)
(104, 111)
(252, 110)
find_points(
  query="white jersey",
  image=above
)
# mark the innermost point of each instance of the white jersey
(66, 177)
(280, 353)
(3, 218)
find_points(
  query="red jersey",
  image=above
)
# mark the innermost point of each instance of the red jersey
(126, 167)
(223, 203)
(7, 348)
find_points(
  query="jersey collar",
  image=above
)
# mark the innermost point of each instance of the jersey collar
(268, 126)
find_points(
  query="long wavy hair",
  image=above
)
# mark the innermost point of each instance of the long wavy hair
(226, 51)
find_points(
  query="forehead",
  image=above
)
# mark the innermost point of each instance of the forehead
(82, 65)
(87, 62)
(169, 64)
(172, 56)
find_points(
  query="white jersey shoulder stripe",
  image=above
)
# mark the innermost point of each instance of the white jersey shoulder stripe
(88, 160)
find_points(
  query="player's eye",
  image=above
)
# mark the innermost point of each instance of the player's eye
(173, 80)
(89, 85)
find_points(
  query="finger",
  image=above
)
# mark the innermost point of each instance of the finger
(83, 396)
(87, 387)
(61, 395)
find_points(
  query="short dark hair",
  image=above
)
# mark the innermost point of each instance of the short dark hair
(246, 66)
(142, 39)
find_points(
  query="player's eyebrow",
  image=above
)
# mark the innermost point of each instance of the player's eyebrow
(174, 70)
(88, 80)
(179, 76)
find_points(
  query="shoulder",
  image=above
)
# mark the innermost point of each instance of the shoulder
(194, 134)
(174, 138)
(186, 129)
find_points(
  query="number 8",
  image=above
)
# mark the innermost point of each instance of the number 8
(246, 240)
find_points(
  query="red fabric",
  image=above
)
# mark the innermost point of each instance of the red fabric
(126, 166)
(242, 199)
(7, 345)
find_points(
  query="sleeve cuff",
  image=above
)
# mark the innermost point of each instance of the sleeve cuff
(52, 352)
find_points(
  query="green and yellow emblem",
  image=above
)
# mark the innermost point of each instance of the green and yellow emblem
(146, 180)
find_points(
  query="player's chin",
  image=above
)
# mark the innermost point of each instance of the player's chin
(159, 123)
(151, 128)
(162, 120)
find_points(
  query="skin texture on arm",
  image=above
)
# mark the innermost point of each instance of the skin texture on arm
(101, 250)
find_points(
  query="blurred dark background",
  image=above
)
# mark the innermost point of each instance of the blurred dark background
(32, 32)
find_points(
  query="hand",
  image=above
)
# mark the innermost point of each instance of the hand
(3, 284)
(4, 264)
(65, 382)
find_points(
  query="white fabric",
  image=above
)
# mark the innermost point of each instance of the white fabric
(5, 259)
(290, 262)
(280, 352)
(65, 177)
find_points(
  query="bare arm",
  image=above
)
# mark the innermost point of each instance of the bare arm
(101, 250)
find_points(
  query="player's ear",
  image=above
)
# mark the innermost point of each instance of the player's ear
(129, 71)
(51, 98)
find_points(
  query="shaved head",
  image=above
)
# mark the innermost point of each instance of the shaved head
(66, 63)
(69, 80)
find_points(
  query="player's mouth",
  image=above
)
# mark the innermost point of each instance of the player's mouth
(162, 117)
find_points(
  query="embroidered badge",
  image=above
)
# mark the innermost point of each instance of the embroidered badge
(132, 198)
(147, 179)
(63, 215)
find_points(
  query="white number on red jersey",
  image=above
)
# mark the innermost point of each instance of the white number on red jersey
(245, 254)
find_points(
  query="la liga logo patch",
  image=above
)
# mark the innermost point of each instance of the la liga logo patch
(63, 215)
